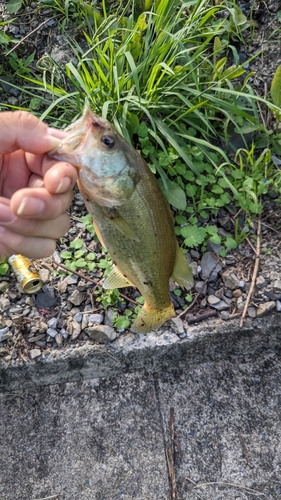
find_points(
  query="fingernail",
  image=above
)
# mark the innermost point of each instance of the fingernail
(31, 207)
(63, 185)
(54, 143)
(6, 214)
(58, 134)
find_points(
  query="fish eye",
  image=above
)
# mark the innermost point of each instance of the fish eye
(108, 141)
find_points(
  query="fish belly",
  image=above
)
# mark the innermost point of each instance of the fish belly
(146, 260)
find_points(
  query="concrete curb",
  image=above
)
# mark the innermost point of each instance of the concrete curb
(212, 341)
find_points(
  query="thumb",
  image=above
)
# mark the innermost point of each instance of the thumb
(22, 130)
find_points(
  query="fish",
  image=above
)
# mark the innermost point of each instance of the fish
(131, 215)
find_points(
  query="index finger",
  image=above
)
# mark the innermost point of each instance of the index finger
(22, 130)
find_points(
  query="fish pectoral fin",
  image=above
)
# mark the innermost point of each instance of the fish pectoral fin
(150, 319)
(124, 227)
(182, 273)
(115, 280)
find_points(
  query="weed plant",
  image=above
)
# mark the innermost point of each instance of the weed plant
(167, 74)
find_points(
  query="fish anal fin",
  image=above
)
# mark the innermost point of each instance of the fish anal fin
(182, 273)
(115, 280)
(150, 319)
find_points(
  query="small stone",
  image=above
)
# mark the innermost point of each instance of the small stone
(177, 325)
(96, 318)
(4, 304)
(59, 339)
(72, 279)
(265, 307)
(52, 332)
(53, 323)
(47, 298)
(101, 333)
(64, 333)
(4, 285)
(274, 275)
(200, 287)
(30, 300)
(252, 312)
(7, 336)
(213, 300)
(40, 336)
(277, 285)
(228, 294)
(76, 330)
(43, 327)
(78, 317)
(35, 353)
(240, 303)
(230, 279)
(194, 267)
(56, 257)
(15, 310)
(278, 306)
(210, 266)
(260, 282)
(3, 331)
(216, 303)
(109, 316)
(76, 298)
(224, 315)
(237, 293)
(44, 274)
(213, 247)
(85, 321)
(230, 260)
(194, 254)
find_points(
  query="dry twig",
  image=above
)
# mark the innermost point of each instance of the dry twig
(28, 34)
(255, 272)
(171, 455)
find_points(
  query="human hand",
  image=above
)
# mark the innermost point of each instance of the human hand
(35, 190)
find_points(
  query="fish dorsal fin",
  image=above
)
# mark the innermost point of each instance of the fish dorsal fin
(182, 273)
(124, 227)
(115, 280)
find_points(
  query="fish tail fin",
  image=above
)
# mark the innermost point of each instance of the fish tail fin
(149, 319)
(182, 273)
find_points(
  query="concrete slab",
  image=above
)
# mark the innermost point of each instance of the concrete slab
(211, 341)
(108, 438)
(94, 440)
(227, 428)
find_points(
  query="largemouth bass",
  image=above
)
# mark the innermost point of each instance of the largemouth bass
(131, 216)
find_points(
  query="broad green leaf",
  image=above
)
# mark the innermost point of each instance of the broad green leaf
(230, 243)
(78, 243)
(66, 255)
(79, 253)
(35, 103)
(275, 90)
(215, 239)
(80, 263)
(193, 235)
(4, 268)
(13, 6)
(174, 193)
